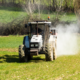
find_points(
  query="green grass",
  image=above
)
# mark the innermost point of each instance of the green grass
(68, 17)
(7, 14)
(63, 68)
(63, 17)
(11, 41)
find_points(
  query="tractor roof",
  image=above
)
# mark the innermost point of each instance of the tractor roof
(40, 22)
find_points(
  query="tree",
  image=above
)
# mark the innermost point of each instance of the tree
(54, 3)
(77, 7)
(77, 11)
(2, 1)
(33, 1)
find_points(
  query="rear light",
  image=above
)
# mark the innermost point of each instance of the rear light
(48, 17)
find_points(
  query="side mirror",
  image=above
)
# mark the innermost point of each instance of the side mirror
(25, 25)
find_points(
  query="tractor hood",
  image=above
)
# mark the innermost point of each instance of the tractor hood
(36, 38)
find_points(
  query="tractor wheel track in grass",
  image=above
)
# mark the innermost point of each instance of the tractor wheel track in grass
(9, 49)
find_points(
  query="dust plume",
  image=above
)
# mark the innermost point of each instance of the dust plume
(67, 39)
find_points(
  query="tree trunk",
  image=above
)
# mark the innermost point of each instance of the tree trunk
(2, 1)
(13, 1)
(19, 1)
(33, 1)
(77, 11)
(54, 4)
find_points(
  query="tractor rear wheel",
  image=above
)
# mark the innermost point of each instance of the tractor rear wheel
(22, 56)
(54, 51)
(49, 52)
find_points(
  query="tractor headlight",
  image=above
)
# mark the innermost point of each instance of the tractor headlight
(36, 45)
(32, 45)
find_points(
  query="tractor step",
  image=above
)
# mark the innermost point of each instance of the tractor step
(34, 52)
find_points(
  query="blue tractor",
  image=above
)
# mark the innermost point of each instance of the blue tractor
(41, 39)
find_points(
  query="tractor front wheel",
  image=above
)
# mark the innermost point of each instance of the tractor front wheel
(22, 56)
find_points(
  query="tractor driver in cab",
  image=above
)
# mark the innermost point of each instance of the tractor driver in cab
(36, 31)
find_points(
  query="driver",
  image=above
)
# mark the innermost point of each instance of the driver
(34, 31)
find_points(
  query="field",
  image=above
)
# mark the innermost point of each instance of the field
(63, 68)
(13, 13)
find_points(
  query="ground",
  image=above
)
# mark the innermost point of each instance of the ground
(63, 68)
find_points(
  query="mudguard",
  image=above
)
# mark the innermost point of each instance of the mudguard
(26, 42)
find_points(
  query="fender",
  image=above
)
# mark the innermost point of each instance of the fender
(26, 42)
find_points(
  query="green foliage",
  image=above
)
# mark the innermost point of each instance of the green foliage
(61, 3)
(13, 13)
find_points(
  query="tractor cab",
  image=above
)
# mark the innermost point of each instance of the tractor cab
(38, 27)
(39, 32)
(38, 41)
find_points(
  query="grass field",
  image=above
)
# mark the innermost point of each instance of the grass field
(7, 14)
(63, 68)
(10, 41)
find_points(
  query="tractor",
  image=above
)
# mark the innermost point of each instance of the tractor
(41, 39)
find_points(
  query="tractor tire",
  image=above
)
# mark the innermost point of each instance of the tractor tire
(54, 54)
(22, 56)
(49, 52)
(54, 51)
(27, 51)
(30, 57)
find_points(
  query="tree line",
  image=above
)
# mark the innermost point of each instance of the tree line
(55, 4)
